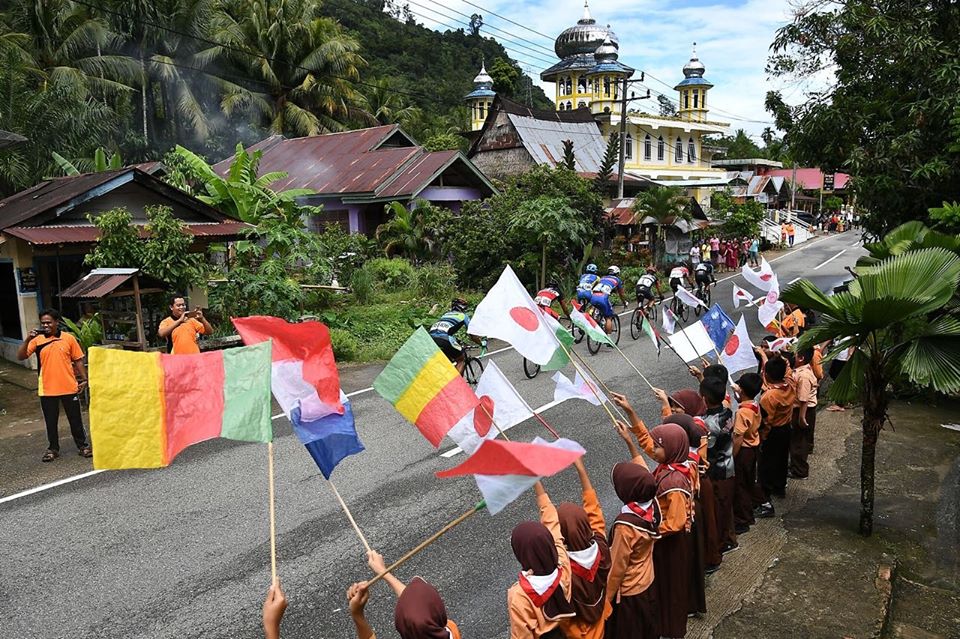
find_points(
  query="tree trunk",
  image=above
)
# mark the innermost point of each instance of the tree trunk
(875, 404)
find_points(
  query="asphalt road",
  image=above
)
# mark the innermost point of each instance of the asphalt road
(184, 552)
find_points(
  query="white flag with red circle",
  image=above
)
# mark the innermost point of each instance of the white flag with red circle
(762, 279)
(737, 353)
(741, 295)
(500, 404)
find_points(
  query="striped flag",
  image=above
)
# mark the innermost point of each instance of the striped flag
(651, 332)
(669, 321)
(589, 326)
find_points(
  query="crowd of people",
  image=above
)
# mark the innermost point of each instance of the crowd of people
(725, 254)
(723, 453)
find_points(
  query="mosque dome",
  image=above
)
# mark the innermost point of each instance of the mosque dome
(694, 68)
(583, 38)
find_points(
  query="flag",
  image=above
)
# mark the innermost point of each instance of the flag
(718, 325)
(781, 343)
(505, 470)
(507, 312)
(425, 388)
(689, 298)
(589, 325)
(761, 279)
(669, 321)
(737, 354)
(306, 385)
(696, 335)
(579, 388)
(500, 401)
(651, 332)
(767, 313)
(741, 295)
(147, 407)
(773, 295)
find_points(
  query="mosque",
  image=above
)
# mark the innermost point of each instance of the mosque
(660, 147)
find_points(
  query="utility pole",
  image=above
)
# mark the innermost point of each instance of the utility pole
(623, 137)
(793, 194)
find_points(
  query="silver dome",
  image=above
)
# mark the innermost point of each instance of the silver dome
(694, 68)
(583, 38)
(483, 77)
(607, 52)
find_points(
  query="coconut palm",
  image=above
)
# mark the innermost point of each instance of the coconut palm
(896, 316)
(406, 233)
(382, 101)
(302, 66)
(666, 205)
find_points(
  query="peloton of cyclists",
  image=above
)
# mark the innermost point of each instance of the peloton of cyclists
(444, 332)
(703, 274)
(585, 285)
(679, 274)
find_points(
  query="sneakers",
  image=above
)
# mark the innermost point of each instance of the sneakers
(742, 529)
(764, 511)
(729, 548)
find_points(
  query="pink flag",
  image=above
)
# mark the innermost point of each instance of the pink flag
(762, 279)
(768, 312)
(781, 343)
(669, 321)
(741, 295)
(737, 354)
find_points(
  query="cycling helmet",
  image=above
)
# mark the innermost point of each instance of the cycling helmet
(592, 268)
(554, 284)
(459, 304)
(613, 270)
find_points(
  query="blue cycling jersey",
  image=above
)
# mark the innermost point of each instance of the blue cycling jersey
(587, 280)
(606, 285)
(449, 323)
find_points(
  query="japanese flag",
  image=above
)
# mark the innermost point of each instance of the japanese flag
(737, 353)
(762, 279)
(741, 295)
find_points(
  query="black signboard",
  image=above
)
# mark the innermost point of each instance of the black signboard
(828, 181)
(27, 280)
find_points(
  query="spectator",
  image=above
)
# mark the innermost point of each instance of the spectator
(61, 377)
(183, 328)
(791, 233)
(755, 252)
(273, 608)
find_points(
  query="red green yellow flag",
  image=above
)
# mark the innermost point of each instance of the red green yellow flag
(147, 407)
(425, 388)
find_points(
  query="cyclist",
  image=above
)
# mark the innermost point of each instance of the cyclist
(645, 286)
(679, 274)
(602, 290)
(545, 298)
(703, 274)
(444, 330)
(585, 285)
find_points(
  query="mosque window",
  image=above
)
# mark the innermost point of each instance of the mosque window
(660, 148)
(560, 106)
(482, 112)
(569, 86)
(647, 147)
(686, 99)
(628, 147)
(691, 151)
(678, 151)
(581, 103)
(596, 86)
(606, 87)
(696, 98)
(569, 105)
(582, 86)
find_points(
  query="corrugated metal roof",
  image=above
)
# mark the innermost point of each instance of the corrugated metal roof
(812, 179)
(543, 140)
(621, 212)
(86, 234)
(98, 284)
(418, 174)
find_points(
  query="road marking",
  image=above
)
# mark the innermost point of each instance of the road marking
(61, 482)
(796, 279)
(44, 487)
(822, 264)
(457, 450)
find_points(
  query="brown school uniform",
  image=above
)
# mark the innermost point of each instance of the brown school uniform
(817, 363)
(776, 410)
(801, 437)
(747, 425)
(527, 621)
(580, 627)
(421, 614)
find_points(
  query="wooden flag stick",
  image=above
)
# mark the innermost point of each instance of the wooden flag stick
(627, 360)
(493, 421)
(273, 516)
(591, 377)
(349, 515)
(693, 348)
(595, 393)
(432, 538)
(535, 413)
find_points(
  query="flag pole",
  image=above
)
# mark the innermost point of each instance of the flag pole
(494, 422)
(593, 376)
(273, 515)
(595, 393)
(627, 360)
(534, 413)
(692, 347)
(432, 538)
(349, 515)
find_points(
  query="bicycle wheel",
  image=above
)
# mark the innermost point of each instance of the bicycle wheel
(592, 345)
(652, 312)
(709, 296)
(615, 330)
(682, 311)
(636, 323)
(473, 370)
(530, 369)
(697, 308)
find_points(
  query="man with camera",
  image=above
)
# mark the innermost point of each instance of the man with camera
(183, 328)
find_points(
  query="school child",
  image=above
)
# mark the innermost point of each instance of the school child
(719, 422)
(776, 410)
(746, 440)
(671, 554)
(630, 587)
(540, 598)
(804, 414)
(419, 613)
(584, 536)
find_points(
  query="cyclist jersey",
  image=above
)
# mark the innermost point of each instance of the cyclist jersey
(587, 280)
(547, 296)
(679, 272)
(449, 323)
(703, 268)
(646, 281)
(607, 285)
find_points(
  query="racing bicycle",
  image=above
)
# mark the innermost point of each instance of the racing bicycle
(472, 365)
(643, 312)
(614, 335)
(703, 294)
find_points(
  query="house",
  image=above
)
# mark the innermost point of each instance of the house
(356, 173)
(45, 234)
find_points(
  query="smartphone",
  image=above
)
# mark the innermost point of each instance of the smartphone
(193, 313)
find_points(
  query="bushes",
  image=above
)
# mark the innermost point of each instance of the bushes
(345, 345)
(435, 281)
(390, 274)
(361, 283)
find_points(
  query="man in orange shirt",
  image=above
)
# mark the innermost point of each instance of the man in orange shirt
(61, 376)
(183, 328)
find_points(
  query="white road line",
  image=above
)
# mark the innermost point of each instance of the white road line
(796, 279)
(44, 487)
(822, 264)
(368, 389)
(457, 450)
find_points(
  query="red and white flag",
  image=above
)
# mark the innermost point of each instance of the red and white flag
(579, 388)
(669, 321)
(737, 354)
(741, 295)
(762, 279)
(767, 313)
(689, 298)
(781, 343)
(773, 295)
(505, 470)
(500, 403)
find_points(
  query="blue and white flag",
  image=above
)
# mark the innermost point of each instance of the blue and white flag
(718, 325)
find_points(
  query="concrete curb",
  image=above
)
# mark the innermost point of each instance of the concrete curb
(886, 572)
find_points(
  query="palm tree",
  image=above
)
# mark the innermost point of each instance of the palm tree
(98, 164)
(896, 316)
(302, 66)
(666, 205)
(386, 105)
(907, 237)
(406, 233)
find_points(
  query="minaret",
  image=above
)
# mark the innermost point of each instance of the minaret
(606, 78)
(480, 99)
(693, 90)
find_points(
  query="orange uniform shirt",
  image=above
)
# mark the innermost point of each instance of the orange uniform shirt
(777, 402)
(575, 628)
(746, 423)
(806, 381)
(817, 363)
(184, 337)
(55, 357)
